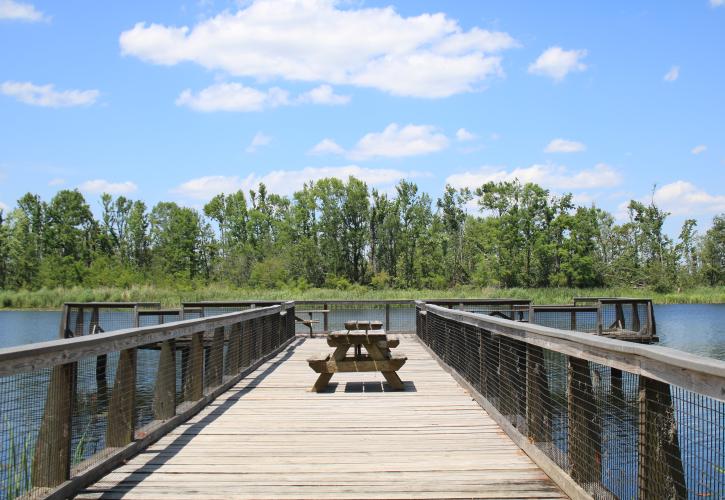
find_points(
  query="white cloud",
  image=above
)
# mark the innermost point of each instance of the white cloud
(564, 146)
(259, 140)
(556, 63)
(673, 74)
(47, 96)
(550, 176)
(4, 207)
(98, 186)
(19, 11)
(397, 142)
(56, 182)
(684, 198)
(286, 182)
(327, 146)
(232, 97)
(464, 135)
(698, 149)
(717, 3)
(429, 55)
(324, 94)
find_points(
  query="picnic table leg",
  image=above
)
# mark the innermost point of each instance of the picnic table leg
(380, 354)
(324, 378)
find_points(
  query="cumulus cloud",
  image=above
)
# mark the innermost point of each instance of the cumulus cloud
(19, 11)
(429, 55)
(717, 3)
(232, 97)
(241, 98)
(98, 186)
(464, 135)
(564, 146)
(56, 182)
(397, 142)
(327, 146)
(324, 94)
(684, 198)
(4, 207)
(286, 182)
(556, 63)
(673, 74)
(259, 140)
(698, 149)
(47, 96)
(550, 176)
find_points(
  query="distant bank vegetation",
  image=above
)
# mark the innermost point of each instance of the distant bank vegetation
(338, 238)
(54, 298)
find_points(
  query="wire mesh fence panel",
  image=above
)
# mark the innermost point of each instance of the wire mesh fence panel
(615, 433)
(60, 421)
(317, 317)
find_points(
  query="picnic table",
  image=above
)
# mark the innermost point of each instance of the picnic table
(378, 357)
(310, 322)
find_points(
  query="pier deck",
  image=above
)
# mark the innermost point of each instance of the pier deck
(269, 437)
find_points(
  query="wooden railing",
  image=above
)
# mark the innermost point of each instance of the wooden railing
(603, 418)
(160, 376)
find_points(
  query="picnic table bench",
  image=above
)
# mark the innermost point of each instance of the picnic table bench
(310, 322)
(378, 358)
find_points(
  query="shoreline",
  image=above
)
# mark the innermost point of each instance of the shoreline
(53, 299)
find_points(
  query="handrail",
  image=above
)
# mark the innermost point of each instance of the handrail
(30, 357)
(689, 371)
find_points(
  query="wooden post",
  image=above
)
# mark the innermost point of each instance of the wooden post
(64, 332)
(165, 389)
(51, 459)
(537, 396)
(585, 437)
(387, 316)
(326, 319)
(636, 323)
(101, 364)
(234, 355)
(660, 473)
(216, 358)
(615, 376)
(573, 319)
(122, 407)
(599, 317)
(619, 315)
(194, 387)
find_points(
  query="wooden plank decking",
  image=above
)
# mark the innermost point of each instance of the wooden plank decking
(269, 437)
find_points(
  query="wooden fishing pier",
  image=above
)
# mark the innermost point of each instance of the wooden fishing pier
(499, 399)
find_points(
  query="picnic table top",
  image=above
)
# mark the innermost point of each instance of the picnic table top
(359, 335)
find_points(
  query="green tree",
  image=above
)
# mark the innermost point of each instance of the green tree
(713, 252)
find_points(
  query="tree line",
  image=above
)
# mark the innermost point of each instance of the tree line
(337, 234)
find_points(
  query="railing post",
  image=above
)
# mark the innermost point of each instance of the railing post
(80, 319)
(216, 358)
(585, 441)
(326, 319)
(387, 316)
(537, 395)
(660, 473)
(246, 342)
(101, 363)
(122, 407)
(165, 389)
(194, 387)
(51, 460)
(636, 323)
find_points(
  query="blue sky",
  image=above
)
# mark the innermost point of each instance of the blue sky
(182, 100)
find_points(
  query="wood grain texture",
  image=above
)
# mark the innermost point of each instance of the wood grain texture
(269, 437)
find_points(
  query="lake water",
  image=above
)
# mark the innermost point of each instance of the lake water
(695, 328)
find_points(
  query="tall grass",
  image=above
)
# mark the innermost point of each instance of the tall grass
(168, 297)
(17, 470)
